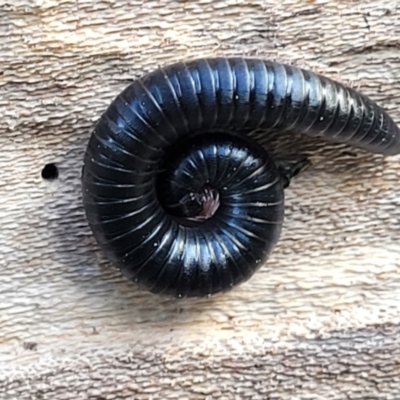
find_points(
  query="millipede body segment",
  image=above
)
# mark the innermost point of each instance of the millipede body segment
(178, 197)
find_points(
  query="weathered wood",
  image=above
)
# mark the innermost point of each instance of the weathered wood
(319, 321)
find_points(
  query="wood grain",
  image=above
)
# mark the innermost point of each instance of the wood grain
(321, 318)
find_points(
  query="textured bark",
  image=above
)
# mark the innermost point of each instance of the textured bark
(319, 321)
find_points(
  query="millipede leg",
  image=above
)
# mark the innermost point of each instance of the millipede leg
(291, 168)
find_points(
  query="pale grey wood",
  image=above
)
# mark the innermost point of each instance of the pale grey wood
(319, 321)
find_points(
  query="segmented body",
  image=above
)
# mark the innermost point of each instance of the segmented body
(178, 197)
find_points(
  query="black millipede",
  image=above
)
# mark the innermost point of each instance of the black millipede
(177, 194)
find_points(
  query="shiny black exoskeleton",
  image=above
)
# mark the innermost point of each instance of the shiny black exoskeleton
(207, 220)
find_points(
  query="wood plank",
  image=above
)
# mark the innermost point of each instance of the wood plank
(319, 321)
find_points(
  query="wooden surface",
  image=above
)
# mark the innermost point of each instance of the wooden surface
(319, 321)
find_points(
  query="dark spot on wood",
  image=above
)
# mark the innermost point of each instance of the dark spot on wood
(50, 172)
(32, 346)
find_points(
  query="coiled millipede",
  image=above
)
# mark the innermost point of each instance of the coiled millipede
(178, 198)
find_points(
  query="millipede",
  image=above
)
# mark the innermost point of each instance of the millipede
(179, 197)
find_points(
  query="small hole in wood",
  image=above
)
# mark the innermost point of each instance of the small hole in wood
(50, 172)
